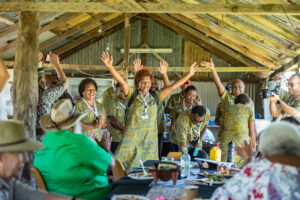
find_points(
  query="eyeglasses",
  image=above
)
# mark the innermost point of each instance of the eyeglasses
(193, 117)
(292, 84)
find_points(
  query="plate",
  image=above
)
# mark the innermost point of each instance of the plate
(128, 197)
(140, 176)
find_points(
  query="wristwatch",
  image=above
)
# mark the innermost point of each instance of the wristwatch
(278, 102)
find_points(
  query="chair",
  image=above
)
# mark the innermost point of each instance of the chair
(118, 171)
(175, 155)
(39, 179)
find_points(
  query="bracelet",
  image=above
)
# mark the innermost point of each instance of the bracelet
(279, 102)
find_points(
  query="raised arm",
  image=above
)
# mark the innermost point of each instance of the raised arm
(163, 68)
(289, 110)
(137, 65)
(210, 65)
(168, 90)
(4, 75)
(54, 60)
(108, 61)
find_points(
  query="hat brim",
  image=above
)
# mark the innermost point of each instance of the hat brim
(48, 125)
(28, 145)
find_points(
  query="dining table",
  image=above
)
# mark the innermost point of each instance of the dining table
(127, 185)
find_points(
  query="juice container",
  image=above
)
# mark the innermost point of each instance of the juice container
(215, 153)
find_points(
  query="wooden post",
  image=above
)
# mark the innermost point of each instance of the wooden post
(25, 97)
(126, 43)
(145, 39)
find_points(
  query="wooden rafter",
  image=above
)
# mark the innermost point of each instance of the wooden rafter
(93, 33)
(168, 7)
(7, 21)
(204, 41)
(231, 39)
(43, 29)
(255, 35)
(170, 69)
(78, 28)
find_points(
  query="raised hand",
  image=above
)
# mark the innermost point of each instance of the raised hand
(106, 59)
(93, 136)
(54, 59)
(245, 150)
(163, 68)
(209, 65)
(193, 68)
(274, 98)
(137, 65)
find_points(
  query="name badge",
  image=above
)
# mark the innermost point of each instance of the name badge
(145, 117)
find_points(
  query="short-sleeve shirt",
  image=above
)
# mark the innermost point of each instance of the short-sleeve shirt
(116, 109)
(161, 126)
(107, 96)
(228, 99)
(90, 118)
(73, 165)
(184, 129)
(15, 190)
(177, 99)
(179, 108)
(47, 98)
(289, 100)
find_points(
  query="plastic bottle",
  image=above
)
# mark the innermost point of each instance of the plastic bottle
(185, 161)
(215, 153)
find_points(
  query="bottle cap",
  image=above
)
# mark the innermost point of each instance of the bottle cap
(185, 150)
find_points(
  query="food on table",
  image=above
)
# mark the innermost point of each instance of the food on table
(205, 165)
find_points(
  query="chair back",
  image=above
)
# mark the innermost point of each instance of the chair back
(175, 155)
(39, 179)
(118, 171)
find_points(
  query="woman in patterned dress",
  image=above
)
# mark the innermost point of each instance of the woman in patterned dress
(140, 134)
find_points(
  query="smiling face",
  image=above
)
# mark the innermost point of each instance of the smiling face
(89, 92)
(238, 87)
(11, 164)
(190, 96)
(145, 85)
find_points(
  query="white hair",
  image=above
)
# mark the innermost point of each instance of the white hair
(280, 138)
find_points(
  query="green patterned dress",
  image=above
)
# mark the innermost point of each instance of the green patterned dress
(140, 135)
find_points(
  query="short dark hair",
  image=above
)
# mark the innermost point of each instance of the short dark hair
(84, 82)
(199, 110)
(190, 87)
(242, 99)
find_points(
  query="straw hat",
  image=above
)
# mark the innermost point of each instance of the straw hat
(62, 116)
(13, 137)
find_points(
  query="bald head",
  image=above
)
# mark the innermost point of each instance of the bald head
(238, 87)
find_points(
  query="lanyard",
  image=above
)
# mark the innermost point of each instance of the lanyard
(91, 109)
(122, 105)
(145, 100)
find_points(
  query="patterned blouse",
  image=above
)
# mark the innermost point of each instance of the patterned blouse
(47, 98)
(262, 179)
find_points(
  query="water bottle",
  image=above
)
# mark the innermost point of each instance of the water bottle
(185, 161)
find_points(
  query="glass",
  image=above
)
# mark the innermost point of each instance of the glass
(167, 159)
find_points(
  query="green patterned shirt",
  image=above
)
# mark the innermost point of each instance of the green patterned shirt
(289, 100)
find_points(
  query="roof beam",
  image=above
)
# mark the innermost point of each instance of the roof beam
(170, 69)
(168, 7)
(204, 41)
(7, 21)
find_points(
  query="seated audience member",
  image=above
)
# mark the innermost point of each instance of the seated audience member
(14, 145)
(50, 90)
(189, 102)
(274, 176)
(189, 128)
(72, 164)
(238, 125)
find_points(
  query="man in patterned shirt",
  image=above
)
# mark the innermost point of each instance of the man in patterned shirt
(189, 128)
(287, 102)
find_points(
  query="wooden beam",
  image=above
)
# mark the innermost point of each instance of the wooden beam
(25, 71)
(43, 29)
(169, 7)
(231, 39)
(288, 66)
(256, 35)
(145, 38)
(170, 69)
(93, 33)
(148, 50)
(126, 41)
(7, 21)
(206, 42)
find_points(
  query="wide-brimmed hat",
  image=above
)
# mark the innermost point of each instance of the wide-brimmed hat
(62, 116)
(13, 137)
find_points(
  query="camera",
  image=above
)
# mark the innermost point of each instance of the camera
(270, 88)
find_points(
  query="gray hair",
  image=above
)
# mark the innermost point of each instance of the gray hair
(280, 138)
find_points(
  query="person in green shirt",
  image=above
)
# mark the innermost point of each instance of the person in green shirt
(189, 128)
(288, 103)
(72, 164)
(238, 125)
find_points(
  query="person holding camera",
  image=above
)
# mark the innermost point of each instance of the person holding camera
(287, 103)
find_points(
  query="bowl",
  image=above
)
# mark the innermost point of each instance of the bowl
(165, 174)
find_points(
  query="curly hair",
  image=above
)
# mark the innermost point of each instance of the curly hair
(84, 82)
(141, 74)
